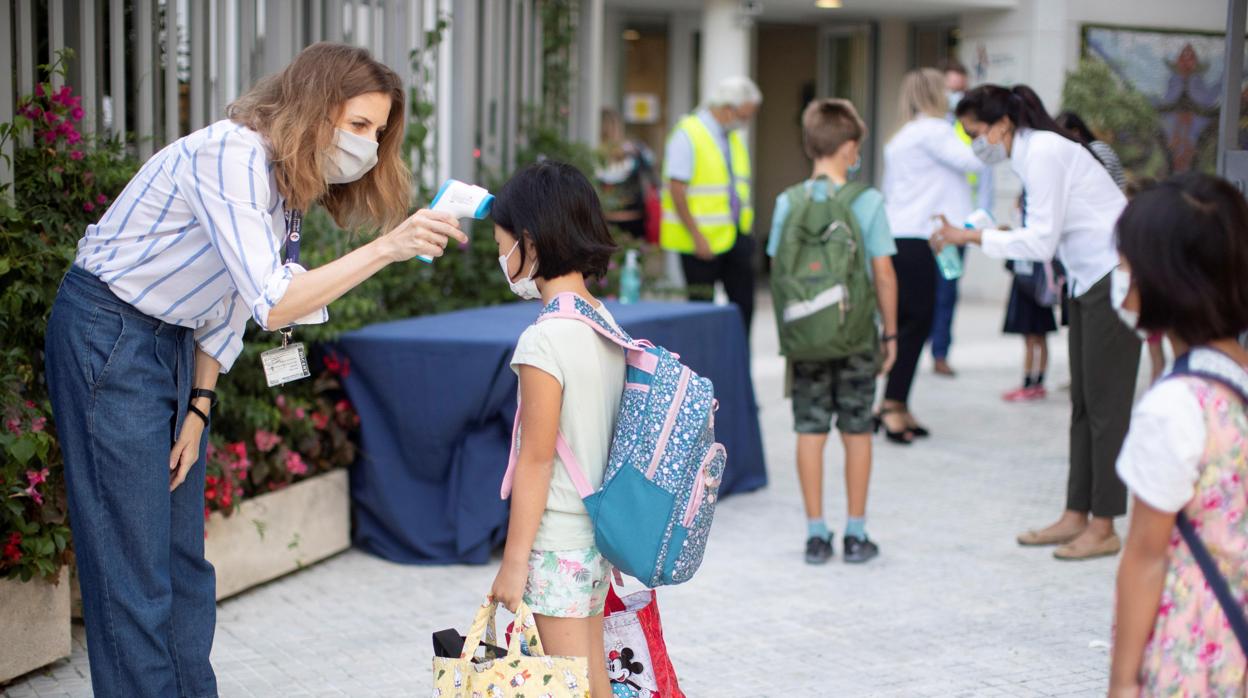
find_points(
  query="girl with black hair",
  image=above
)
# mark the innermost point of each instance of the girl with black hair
(1072, 206)
(1184, 247)
(551, 236)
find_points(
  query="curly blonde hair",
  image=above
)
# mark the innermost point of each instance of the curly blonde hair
(297, 109)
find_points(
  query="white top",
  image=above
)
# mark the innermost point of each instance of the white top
(1160, 459)
(925, 168)
(591, 370)
(195, 238)
(1072, 208)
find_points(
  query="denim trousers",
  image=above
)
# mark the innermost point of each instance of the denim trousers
(942, 321)
(120, 382)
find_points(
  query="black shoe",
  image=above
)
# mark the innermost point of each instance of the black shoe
(905, 437)
(859, 550)
(818, 550)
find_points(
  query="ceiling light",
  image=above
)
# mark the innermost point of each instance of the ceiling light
(631, 35)
(828, 4)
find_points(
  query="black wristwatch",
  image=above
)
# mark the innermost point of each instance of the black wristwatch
(888, 338)
(198, 393)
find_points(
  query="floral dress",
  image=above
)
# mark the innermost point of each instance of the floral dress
(1192, 651)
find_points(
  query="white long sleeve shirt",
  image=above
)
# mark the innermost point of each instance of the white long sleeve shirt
(1072, 208)
(195, 239)
(925, 168)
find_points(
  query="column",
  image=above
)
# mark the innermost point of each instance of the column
(725, 43)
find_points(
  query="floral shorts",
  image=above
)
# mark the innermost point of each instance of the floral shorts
(567, 583)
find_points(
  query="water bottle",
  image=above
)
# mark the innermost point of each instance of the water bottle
(950, 263)
(630, 279)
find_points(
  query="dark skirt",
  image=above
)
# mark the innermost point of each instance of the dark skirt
(1026, 317)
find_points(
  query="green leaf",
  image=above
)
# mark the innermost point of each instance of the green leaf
(4, 266)
(23, 450)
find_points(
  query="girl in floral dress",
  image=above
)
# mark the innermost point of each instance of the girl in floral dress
(1184, 249)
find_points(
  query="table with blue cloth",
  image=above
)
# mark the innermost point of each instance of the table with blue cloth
(436, 397)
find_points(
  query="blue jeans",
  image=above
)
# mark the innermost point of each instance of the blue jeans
(942, 320)
(120, 382)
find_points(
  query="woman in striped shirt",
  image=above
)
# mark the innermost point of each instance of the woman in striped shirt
(154, 309)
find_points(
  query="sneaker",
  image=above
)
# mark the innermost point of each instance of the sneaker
(859, 550)
(818, 550)
(1018, 395)
(1038, 393)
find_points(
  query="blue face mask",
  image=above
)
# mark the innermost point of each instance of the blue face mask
(853, 169)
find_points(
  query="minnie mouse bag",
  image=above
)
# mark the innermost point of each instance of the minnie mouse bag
(637, 660)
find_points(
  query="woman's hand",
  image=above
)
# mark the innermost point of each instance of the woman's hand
(425, 233)
(508, 586)
(890, 356)
(185, 450)
(949, 234)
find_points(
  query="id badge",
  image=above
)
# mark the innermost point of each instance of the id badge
(1023, 267)
(285, 364)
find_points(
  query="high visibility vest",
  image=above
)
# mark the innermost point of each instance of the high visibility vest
(708, 192)
(972, 178)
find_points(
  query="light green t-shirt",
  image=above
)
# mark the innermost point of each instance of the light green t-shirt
(591, 370)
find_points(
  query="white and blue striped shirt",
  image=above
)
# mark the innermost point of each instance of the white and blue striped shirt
(191, 240)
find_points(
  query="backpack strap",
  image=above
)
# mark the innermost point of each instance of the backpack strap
(567, 306)
(850, 191)
(1215, 366)
(562, 448)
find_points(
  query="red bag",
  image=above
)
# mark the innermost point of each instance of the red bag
(637, 659)
(654, 213)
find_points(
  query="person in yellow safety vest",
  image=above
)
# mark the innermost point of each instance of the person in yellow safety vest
(708, 209)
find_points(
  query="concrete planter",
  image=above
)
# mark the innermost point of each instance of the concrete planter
(280, 532)
(34, 624)
(274, 534)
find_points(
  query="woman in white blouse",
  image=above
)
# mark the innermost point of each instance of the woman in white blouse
(203, 239)
(925, 168)
(1072, 207)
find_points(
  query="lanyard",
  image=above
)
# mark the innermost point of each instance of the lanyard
(290, 252)
(294, 229)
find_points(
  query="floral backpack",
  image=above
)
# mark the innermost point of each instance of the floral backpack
(652, 515)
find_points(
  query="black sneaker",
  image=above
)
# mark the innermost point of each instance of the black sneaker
(818, 550)
(859, 550)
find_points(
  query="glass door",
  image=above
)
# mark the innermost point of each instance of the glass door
(846, 59)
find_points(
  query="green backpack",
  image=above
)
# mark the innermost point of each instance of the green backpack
(825, 301)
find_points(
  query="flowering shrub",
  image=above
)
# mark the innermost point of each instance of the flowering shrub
(62, 180)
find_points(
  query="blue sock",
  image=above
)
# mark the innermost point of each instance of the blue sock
(817, 528)
(856, 527)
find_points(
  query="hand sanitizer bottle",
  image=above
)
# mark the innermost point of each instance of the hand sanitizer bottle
(630, 279)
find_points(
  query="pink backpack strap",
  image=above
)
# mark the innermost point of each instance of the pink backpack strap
(567, 311)
(570, 462)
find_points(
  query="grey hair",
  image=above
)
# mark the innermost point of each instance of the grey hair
(735, 91)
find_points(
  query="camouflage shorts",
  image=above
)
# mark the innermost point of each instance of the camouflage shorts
(844, 388)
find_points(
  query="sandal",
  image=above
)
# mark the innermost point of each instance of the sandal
(1081, 550)
(905, 437)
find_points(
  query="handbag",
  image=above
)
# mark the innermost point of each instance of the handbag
(1207, 364)
(523, 671)
(637, 660)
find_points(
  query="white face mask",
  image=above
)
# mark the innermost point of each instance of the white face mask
(1119, 287)
(989, 153)
(351, 157)
(526, 288)
(953, 98)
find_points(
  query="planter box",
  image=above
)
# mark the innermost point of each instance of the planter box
(274, 534)
(34, 624)
(279, 532)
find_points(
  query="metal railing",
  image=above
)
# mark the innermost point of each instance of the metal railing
(150, 71)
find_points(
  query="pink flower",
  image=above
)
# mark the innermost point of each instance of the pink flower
(342, 406)
(281, 401)
(73, 137)
(39, 90)
(48, 136)
(37, 477)
(77, 113)
(34, 494)
(300, 413)
(320, 421)
(30, 404)
(77, 155)
(88, 207)
(1210, 653)
(101, 199)
(14, 425)
(50, 117)
(295, 464)
(39, 424)
(266, 440)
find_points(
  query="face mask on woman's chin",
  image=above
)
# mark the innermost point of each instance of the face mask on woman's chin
(525, 288)
(350, 158)
(1119, 287)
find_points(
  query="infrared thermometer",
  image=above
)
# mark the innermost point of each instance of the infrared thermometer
(461, 200)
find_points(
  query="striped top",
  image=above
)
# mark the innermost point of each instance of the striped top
(191, 240)
(1109, 159)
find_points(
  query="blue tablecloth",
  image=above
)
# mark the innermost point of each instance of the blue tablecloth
(436, 398)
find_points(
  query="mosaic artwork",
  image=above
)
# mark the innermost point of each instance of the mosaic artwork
(1179, 77)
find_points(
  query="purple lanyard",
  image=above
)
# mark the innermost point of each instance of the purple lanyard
(294, 228)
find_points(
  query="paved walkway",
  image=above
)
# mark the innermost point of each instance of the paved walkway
(952, 608)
